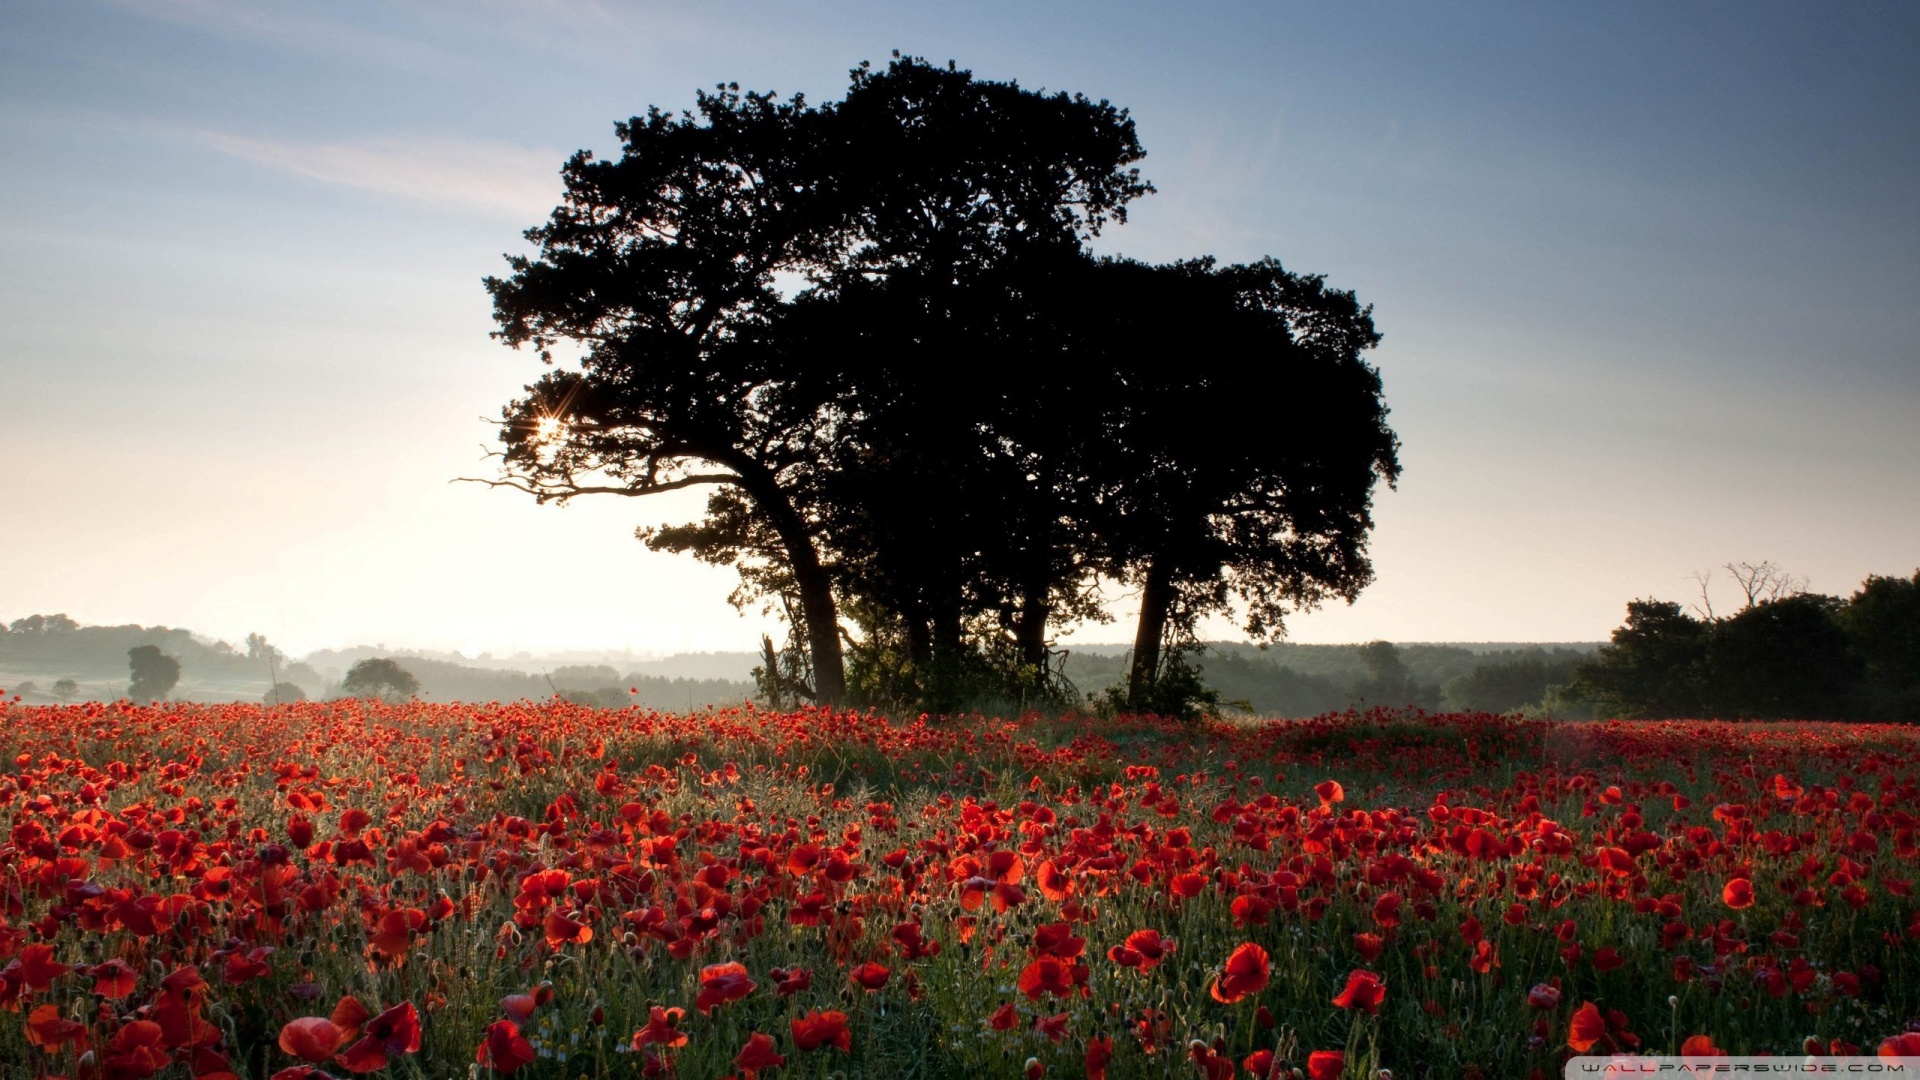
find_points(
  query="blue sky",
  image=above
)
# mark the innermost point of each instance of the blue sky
(1647, 275)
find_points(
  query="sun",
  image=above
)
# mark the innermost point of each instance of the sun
(548, 428)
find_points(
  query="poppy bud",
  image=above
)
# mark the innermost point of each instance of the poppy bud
(1033, 1070)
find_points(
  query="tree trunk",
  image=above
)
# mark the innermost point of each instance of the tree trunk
(1030, 631)
(919, 634)
(1156, 601)
(946, 629)
(817, 606)
(823, 631)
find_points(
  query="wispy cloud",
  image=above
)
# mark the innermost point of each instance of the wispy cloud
(285, 25)
(474, 176)
(415, 33)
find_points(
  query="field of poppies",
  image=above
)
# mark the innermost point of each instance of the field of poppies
(544, 890)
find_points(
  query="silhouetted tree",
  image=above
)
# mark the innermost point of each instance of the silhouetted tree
(284, 693)
(43, 624)
(1656, 666)
(65, 690)
(154, 673)
(1388, 682)
(379, 677)
(1244, 434)
(1781, 658)
(1883, 621)
(663, 265)
(950, 502)
(259, 648)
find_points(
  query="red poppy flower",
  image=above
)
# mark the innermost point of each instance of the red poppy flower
(759, 1053)
(870, 975)
(721, 984)
(1056, 939)
(1617, 861)
(1143, 949)
(1326, 1065)
(37, 968)
(1246, 972)
(349, 1016)
(1386, 911)
(311, 1038)
(1099, 1054)
(908, 940)
(1738, 893)
(1055, 884)
(395, 1031)
(1260, 1064)
(1364, 991)
(818, 1029)
(1543, 996)
(1053, 1027)
(50, 1031)
(1213, 1064)
(1330, 792)
(113, 979)
(1051, 975)
(1586, 1028)
(565, 929)
(241, 967)
(790, 981)
(663, 1029)
(393, 935)
(802, 860)
(1006, 865)
(1486, 957)
(1700, 1046)
(1187, 886)
(504, 1050)
(352, 820)
(1906, 1044)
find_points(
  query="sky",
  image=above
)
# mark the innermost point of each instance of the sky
(1648, 276)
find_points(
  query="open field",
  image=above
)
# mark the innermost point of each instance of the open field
(549, 890)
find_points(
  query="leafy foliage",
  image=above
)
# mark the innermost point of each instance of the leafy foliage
(154, 673)
(1797, 655)
(873, 331)
(379, 677)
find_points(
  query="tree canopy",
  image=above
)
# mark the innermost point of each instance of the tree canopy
(379, 677)
(154, 673)
(874, 331)
(1785, 655)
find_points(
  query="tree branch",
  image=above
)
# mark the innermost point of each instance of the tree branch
(547, 491)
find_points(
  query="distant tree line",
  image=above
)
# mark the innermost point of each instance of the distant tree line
(1784, 655)
(931, 422)
(149, 663)
(1287, 679)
